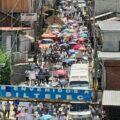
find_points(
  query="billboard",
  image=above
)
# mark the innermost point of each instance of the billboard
(42, 94)
(29, 17)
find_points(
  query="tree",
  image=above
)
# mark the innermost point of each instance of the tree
(5, 69)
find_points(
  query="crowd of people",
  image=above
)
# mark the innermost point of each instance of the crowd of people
(71, 46)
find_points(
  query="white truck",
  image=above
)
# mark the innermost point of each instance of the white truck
(79, 77)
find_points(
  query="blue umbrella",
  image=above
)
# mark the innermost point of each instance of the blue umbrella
(63, 44)
(63, 82)
(66, 30)
(47, 117)
(72, 43)
(71, 51)
(84, 35)
(66, 60)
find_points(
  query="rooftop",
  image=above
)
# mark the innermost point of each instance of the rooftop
(109, 25)
(109, 55)
(111, 98)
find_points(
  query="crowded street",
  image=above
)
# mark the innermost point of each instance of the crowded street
(64, 60)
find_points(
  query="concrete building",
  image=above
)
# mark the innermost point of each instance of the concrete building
(110, 35)
(102, 6)
(15, 43)
(110, 67)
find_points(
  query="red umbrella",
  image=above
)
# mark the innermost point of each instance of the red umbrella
(21, 115)
(77, 46)
(82, 48)
(82, 39)
(61, 72)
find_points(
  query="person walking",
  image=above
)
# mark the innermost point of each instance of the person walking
(7, 109)
(47, 75)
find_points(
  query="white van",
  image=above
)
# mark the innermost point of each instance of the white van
(79, 111)
(79, 76)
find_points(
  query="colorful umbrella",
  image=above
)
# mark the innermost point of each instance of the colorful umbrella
(66, 30)
(61, 72)
(76, 47)
(47, 117)
(21, 115)
(71, 51)
(84, 35)
(72, 43)
(82, 48)
(82, 39)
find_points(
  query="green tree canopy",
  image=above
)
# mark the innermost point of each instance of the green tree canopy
(5, 69)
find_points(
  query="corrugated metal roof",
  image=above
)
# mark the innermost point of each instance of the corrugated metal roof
(14, 28)
(109, 25)
(109, 55)
(111, 98)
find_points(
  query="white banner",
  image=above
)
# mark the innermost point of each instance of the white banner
(28, 16)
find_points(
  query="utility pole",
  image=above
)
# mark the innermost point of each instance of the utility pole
(35, 33)
(95, 55)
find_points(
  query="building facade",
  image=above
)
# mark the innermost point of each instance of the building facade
(103, 6)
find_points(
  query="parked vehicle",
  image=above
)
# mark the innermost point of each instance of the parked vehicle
(79, 111)
(79, 76)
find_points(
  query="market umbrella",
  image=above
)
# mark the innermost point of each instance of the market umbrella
(82, 39)
(70, 21)
(63, 82)
(48, 34)
(84, 35)
(72, 43)
(77, 46)
(74, 40)
(72, 60)
(66, 60)
(22, 114)
(71, 51)
(61, 72)
(64, 45)
(66, 30)
(82, 48)
(47, 117)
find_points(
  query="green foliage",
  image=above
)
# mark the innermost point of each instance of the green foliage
(5, 71)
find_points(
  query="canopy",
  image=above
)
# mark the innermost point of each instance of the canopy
(61, 72)
(77, 46)
(84, 35)
(82, 48)
(47, 117)
(48, 34)
(82, 39)
(22, 114)
(72, 43)
(71, 51)
(111, 98)
(66, 30)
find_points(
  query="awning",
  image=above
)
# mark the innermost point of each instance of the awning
(14, 28)
(111, 98)
(109, 55)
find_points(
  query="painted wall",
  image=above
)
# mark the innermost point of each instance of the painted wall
(110, 41)
(102, 6)
(14, 5)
